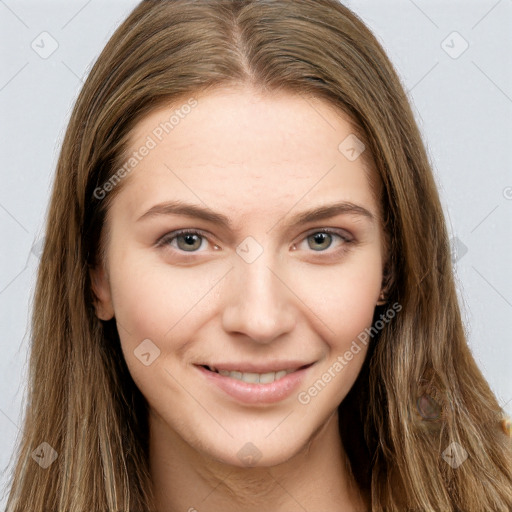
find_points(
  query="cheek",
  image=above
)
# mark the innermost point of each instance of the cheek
(343, 301)
(162, 304)
(344, 297)
(150, 300)
(154, 310)
(346, 312)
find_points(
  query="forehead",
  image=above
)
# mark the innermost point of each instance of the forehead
(236, 149)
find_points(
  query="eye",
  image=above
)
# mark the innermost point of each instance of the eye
(321, 240)
(185, 240)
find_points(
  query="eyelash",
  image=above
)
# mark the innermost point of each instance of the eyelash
(169, 237)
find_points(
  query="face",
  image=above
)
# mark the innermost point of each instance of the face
(236, 304)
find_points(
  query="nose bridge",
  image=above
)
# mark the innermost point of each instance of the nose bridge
(259, 304)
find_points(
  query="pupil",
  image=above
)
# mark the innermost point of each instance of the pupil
(322, 238)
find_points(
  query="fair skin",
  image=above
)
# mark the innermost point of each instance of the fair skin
(259, 160)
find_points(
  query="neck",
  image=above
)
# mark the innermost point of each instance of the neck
(316, 478)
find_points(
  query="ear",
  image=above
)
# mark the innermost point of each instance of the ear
(387, 283)
(101, 290)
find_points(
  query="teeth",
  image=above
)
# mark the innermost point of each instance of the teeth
(255, 378)
(265, 378)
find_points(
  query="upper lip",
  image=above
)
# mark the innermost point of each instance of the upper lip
(258, 368)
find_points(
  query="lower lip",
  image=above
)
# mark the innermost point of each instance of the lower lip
(256, 393)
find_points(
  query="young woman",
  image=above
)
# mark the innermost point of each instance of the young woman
(246, 299)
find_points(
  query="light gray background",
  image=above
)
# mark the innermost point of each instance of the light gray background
(463, 106)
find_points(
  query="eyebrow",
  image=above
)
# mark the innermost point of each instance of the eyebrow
(199, 212)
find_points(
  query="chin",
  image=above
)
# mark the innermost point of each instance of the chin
(258, 449)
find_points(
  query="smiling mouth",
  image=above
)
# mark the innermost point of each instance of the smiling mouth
(255, 378)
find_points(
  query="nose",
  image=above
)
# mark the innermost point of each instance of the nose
(259, 302)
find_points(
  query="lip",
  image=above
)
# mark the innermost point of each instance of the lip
(256, 393)
(258, 368)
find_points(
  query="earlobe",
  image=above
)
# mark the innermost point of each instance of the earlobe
(382, 299)
(101, 291)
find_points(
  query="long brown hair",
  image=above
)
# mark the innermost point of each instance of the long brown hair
(82, 401)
